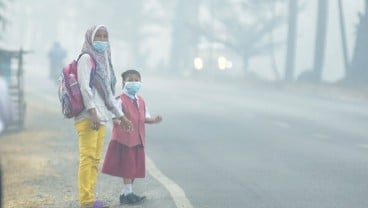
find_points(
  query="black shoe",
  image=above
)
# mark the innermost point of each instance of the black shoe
(130, 198)
(138, 198)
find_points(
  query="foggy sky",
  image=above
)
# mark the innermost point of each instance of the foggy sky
(27, 29)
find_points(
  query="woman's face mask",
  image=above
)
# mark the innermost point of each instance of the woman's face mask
(100, 46)
(132, 87)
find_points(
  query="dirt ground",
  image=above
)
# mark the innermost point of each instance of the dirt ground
(40, 166)
(24, 162)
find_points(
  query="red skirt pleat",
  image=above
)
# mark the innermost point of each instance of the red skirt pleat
(123, 161)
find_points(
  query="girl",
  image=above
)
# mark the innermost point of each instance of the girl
(125, 156)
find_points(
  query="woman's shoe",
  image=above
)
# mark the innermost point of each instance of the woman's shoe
(96, 204)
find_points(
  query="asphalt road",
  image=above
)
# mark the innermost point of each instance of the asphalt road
(221, 144)
(238, 145)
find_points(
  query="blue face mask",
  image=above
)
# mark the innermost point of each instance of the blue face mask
(100, 46)
(132, 87)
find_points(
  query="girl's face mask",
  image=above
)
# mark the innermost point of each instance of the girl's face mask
(132, 87)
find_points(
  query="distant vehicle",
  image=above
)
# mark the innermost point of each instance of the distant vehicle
(11, 66)
(214, 58)
(211, 56)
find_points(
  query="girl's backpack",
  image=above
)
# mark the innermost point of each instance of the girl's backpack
(70, 95)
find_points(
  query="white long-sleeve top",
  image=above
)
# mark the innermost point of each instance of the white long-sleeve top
(135, 98)
(91, 98)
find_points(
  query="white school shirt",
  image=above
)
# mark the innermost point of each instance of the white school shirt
(91, 98)
(148, 115)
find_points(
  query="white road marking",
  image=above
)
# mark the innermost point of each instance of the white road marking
(176, 192)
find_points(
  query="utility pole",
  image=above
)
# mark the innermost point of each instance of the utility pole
(290, 53)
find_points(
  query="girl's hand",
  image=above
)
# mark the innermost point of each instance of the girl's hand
(158, 119)
(126, 124)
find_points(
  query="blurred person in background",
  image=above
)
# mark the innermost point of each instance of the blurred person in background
(6, 111)
(56, 56)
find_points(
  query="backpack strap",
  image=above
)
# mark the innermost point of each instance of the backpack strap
(93, 70)
(93, 62)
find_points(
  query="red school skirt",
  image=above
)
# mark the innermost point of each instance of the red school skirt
(123, 161)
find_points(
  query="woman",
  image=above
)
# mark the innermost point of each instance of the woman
(98, 97)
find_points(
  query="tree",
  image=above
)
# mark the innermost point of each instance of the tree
(343, 36)
(358, 73)
(3, 19)
(243, 27)
(291, 44)
(320, 43)
(184, 38)
(272, 47)
(155, 32)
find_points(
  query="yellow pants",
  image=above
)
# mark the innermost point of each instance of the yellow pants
(90, 150)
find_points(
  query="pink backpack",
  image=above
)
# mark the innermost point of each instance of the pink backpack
(70, 95)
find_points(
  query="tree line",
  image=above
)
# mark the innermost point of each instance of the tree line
(244, 27)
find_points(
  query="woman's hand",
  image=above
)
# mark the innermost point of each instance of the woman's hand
(95, 121)
(116, 121)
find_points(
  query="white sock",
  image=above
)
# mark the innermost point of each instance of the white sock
(127, 189)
